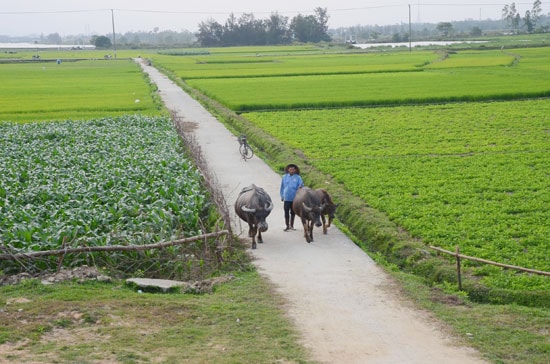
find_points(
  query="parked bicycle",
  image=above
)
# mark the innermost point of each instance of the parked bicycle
(245, 149)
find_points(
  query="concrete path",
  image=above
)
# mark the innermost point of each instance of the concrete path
(346, 308)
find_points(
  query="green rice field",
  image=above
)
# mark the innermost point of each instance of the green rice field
(450, 145)
(37, 91)
(487, 77)
(457, 155)
(270, 65)
(454, 147)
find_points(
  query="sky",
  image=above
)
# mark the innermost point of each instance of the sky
(74, 17)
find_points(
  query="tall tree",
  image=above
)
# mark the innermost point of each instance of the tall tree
(54, 38)
(277, 29)
(528, 21)
(230, 34)
(251, 30)
(210, 33)
(535, 12)
(510, 14)
(101, 41)
(321, 16)
(445, 28)
(303, 28)
(311, 28)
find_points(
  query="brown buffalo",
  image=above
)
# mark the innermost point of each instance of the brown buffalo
(253, 206)
(328, 209)
(308, 205)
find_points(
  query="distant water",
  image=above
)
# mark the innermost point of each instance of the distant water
(43, 46)
(359, 45)
(413, 44)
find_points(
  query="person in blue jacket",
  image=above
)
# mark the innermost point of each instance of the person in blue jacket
(290, 184)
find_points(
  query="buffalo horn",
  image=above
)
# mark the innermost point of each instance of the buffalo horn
(306, 207)
(269, 206)
(246, 209)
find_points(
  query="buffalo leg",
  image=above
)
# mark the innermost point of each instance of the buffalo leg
(260, 240)
(306, 231)
(252, 234)
(305, 226)
(310, 232)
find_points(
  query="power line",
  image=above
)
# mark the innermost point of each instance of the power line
(51, 12)
(262, 12)
(473, 4)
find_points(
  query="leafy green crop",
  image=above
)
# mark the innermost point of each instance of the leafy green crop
(473, 175)
(107, 181)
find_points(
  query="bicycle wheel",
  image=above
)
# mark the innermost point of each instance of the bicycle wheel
(246, 151)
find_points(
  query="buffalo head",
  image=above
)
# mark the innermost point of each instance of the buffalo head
(253, 206)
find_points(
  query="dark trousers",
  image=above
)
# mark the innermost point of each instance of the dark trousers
(288, 209)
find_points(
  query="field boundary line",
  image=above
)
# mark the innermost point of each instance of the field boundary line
(113, 247)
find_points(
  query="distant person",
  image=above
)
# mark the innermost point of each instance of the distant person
(290, 184)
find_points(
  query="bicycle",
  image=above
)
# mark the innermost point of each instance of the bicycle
(245, 149)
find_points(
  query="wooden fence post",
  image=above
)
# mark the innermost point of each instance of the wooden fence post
(458, 272)
(484, 261)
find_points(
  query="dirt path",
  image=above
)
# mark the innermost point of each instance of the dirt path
(347, 309)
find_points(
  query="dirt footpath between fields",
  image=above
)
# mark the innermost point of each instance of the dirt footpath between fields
(347, 309)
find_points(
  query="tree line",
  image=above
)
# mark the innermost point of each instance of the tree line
(276, 29)
(530, 19)
(534, 21)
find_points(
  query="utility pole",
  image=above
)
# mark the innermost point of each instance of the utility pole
(114, 36)
(410, 32)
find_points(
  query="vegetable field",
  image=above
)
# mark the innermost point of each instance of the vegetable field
(474, 175)
(110, 181)
(453, 147)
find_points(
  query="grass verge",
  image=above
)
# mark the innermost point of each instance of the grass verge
(241, 322)
(502, 333)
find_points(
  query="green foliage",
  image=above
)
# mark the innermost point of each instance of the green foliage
(101, 41)
(184, 52)
(504, 333)
(68, 322)
(295, 62)
(324, 85)
(466, 174)
(485, 294)
(50, 56)
(74, 90)
(103, 182)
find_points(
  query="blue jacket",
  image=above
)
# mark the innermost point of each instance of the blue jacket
(289, 186)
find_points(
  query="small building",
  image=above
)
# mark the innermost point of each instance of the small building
(351, 39)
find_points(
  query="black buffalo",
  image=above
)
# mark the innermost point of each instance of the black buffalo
(308, 205)
(253, 206)
(329, 208)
